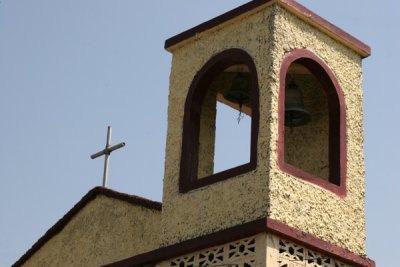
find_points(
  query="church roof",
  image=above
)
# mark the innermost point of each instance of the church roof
(91, 195)
(292, 6)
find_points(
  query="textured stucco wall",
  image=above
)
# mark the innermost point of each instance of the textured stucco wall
(268, 191)
(236, 200)
(207, 135)
(293, 201)
(104, 231)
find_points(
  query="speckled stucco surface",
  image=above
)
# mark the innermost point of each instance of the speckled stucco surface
(295, 202)
(267, 35)
(207, 135)
(236, 200)
(104, 231)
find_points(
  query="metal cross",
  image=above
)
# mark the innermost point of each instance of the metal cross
(106, 152)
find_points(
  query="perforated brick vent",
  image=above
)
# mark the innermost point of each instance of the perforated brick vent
(263, 250)
(239, 253)
(293, 255)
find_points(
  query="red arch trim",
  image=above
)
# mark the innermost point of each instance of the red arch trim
(191, 122)
(337, 122)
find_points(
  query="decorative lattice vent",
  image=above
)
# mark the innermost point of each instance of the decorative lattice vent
(240, 253)
(293, 255)
(263, 250)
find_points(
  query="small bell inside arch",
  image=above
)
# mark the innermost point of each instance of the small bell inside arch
(295, 113)
(239, 92)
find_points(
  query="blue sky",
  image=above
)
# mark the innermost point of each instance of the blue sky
(70, 68)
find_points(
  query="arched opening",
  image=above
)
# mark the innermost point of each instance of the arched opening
(220, 121)
(312, 141)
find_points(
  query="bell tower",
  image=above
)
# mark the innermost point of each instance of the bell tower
(295, 196)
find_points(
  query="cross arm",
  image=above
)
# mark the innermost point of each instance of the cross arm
(107, 150)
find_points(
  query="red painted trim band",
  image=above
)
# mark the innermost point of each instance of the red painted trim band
(242, 231)
(185, 247)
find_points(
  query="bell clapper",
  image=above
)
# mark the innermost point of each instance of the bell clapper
(241, 115)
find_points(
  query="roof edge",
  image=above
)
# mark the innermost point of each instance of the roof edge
(293, 7)
(92, 194)
(191, 245)
(236, 12)
(322, 24)
(257, 226)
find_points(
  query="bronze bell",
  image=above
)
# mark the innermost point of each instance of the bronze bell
(239, 92)
(295, 114)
